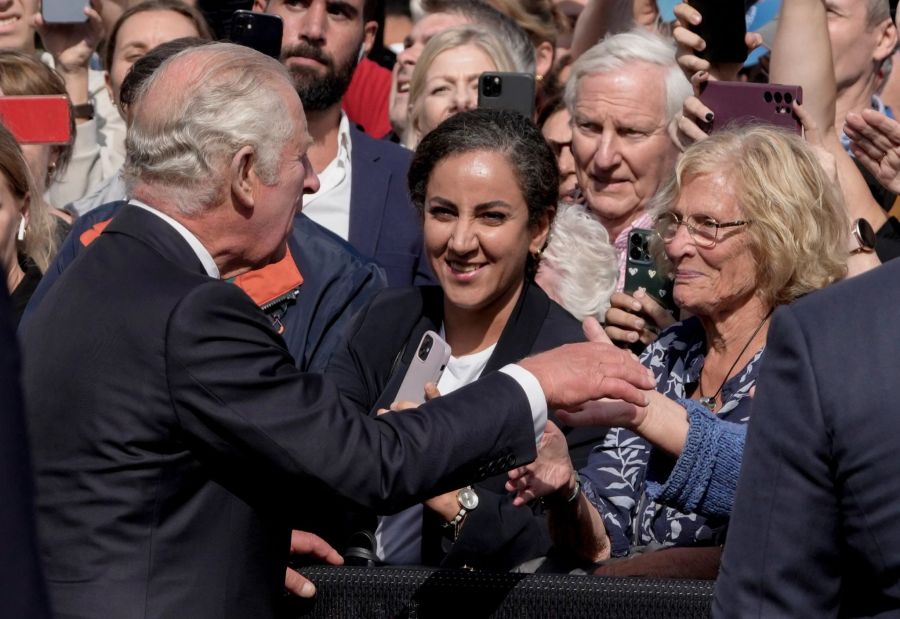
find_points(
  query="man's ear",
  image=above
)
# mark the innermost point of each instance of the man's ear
(244, 179)
(887, 40)
(370, 29)
(259, 6)
(543, 59)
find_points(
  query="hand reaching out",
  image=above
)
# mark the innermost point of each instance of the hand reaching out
(551, 472)
(875, 141)
(305, 543)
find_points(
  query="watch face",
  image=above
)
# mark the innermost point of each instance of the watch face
(865, 234)
(467, 498)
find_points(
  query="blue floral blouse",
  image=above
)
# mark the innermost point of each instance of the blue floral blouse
(615, 477)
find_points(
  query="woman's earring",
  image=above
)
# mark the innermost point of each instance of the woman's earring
(21, 235)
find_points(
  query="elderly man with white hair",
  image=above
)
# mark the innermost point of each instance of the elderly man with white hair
(175, 442)
(622, 94)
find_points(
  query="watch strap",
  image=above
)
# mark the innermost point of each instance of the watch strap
(83, 111)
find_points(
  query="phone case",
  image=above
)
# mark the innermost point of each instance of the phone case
(64, 11)
(516, 92)
(37, 119)
(744, 103)
(219, 14)
(723, 28)
(259, 31)
(641, 270)
(426, 367)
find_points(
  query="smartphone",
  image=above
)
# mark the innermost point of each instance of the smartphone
(219, 14)
(507, 91)
(64, 11)
(37, 119)
(641, 270)
(259, 31)
(723, 27)
(744, 103)
(426, 366)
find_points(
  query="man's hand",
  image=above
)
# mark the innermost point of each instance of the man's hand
(551, 472)
(304, 543)
(577, 373)
(636, 318)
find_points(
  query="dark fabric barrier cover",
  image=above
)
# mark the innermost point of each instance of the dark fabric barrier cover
(398, 592)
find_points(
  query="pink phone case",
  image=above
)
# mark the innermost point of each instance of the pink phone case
(743, 103)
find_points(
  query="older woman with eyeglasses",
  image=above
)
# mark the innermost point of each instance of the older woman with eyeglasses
(748, 221)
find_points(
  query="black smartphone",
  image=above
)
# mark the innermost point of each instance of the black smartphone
(641, 270)
(64, 11)
(743, 103)
(507, 91)
(219, 13)
(723, 27)
(259, 31)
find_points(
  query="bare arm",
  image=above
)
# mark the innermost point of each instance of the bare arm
(599, 18)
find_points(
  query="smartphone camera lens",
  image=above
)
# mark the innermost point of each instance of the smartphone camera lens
(788, 98)
(635, 253)
(767, 96)
(425, 347)
(491, 86)
(777, 97)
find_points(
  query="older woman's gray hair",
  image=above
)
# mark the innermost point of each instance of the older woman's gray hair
(616, 51)
(182, 140)
(578, 268)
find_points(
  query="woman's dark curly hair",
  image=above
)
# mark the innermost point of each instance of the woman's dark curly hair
(498, 131)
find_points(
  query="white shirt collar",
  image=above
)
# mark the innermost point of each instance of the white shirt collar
(206, 259)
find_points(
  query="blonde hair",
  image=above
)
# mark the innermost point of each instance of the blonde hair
(799, 227)
(40, 243)
(470, 34)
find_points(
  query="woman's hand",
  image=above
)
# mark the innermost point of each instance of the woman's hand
(630, 319)
(431, 392)
(305, 543)
(689, 43)
(551, 472)
(875, 141)
(72, 45)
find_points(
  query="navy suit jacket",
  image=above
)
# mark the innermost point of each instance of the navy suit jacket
(175, 443)
(384, 225)
(815, 530)
(21, 586)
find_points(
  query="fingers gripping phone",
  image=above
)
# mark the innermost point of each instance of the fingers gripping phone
(427, 366)
(641, 270)
(507, 91)
(744, 103)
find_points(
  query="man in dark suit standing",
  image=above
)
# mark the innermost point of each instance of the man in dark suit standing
(363, 197)
(175, 443)
(815, 530)
(21, 586)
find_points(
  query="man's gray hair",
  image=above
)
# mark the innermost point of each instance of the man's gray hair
(181, 140)
(616, 51)
(877, 11)
(503, 27)
(584, 260)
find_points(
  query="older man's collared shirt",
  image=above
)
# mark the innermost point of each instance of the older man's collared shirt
(330, 206)
(206, 259)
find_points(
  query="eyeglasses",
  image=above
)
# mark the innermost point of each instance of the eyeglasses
(703, 230)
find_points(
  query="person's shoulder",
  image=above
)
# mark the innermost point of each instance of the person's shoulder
(319, 251)
(561, 325)
(386, 151)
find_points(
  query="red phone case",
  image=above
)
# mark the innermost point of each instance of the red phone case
(743, 103)
(37, 119)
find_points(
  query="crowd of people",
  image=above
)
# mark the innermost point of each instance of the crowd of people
(222, 279)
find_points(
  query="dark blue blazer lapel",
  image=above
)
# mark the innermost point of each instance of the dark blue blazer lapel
(368, 193)
(158, 234)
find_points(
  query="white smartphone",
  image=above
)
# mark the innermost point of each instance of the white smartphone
(426, 366)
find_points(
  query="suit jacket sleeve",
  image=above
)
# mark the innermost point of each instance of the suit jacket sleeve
(243, 404)
(784, 532)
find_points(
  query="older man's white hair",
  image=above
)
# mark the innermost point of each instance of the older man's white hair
(617, 51)
(585, 263)
(181, 141)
